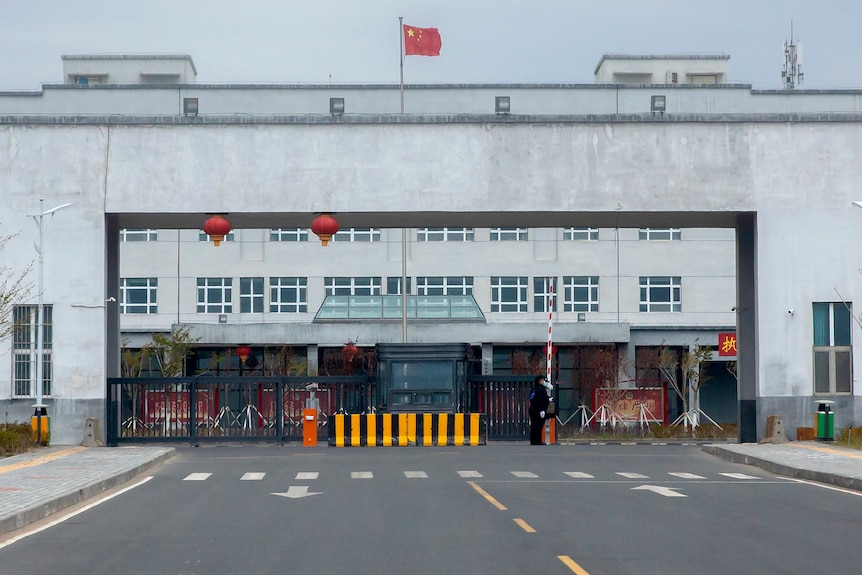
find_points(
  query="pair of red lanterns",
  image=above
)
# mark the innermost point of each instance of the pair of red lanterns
(217, 227)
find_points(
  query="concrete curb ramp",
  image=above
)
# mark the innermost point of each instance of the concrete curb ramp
(800, 460)
(114, 471)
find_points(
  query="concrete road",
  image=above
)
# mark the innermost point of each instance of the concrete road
(501, 508)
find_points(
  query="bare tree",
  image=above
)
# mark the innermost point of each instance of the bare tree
(171, 351)
(14, 289)
(684, 372)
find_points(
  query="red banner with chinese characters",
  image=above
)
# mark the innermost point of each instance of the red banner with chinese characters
(639, 404)
(727, 343)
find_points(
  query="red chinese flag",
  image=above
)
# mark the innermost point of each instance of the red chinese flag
(421, 41)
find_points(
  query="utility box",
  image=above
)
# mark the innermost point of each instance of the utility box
(309, 427)
(824, 421)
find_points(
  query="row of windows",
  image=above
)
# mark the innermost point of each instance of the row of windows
(832, 349)
(422, 235)
(290, 294)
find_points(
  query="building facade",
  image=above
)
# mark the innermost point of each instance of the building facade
(640, 215)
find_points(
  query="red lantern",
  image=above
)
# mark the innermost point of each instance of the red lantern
(217, 227)
(553, 350)
(325, 226)
(243, 352)
(349, 351)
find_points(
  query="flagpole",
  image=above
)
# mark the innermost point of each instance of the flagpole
(401, 53)
(404, 290)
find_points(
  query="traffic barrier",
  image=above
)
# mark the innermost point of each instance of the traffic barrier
(403, 429)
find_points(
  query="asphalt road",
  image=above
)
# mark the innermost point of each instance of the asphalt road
(501, 508)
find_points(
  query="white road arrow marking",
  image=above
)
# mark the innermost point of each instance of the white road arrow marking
(666, 491)
(297, 492)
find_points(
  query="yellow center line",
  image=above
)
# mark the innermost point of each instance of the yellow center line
(524, 525)
(568, 562)
(487, 496)
(829, 450)
(40, 460)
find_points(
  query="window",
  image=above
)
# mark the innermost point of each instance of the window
(139, 235)
(581, 293)
(508, 234)
(138, 295)
(250, 295)
(660, 293)
(205, 238)
(288, 235)
(456, 285)
(444, 235)
(393, 285)
(508, 294)
(214, 295)
(587, 234)
(659, 234)
(25, 349)
(288, 295)
(541, 290)
(88, 80)
(357, 235)
(352, 286)
(833, 354)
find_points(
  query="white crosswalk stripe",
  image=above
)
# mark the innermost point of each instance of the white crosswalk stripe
(739, 476)
(307, 475)
(523, 474)
(630, 475)
(415, 474)
(361, 475)
(469, 474)
(686, 475)
(197, 476)
(579, 475)
(252, 476)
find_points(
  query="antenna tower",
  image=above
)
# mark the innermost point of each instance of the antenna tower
(792, 75)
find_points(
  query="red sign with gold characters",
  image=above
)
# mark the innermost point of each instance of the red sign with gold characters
(727, 343)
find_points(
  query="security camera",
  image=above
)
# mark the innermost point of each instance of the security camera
(733, 308)
(790, 311)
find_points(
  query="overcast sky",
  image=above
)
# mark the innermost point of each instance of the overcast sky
(357, 41)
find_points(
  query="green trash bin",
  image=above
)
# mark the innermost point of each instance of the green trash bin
(824, 421)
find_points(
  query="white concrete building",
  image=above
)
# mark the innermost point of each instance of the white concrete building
(660, 227)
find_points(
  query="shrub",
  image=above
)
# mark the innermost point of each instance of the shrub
(16, 438)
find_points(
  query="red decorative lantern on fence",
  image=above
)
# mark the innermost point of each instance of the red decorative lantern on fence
(243, 352)
(325, 226)
(217, 227)
(349, 351)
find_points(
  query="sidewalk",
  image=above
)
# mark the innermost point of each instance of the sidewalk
(35, 485)
(823, 462)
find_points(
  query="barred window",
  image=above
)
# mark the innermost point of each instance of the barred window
(139, 295)
(250, 295)
(288, 295)
(541, 291)
(444, 234)
(25, 350)
(581, 293)
(215, 295)
(660, 294)
(288, 235)
(452, 285)
(659, 234)
(508, 234)
(508, 294)
(357, 235)
(352, 286)
(139, 235)
(584, 234)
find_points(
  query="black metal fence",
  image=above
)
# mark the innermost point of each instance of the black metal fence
(211, 409)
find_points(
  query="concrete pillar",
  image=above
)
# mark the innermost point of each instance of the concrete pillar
(746, 325)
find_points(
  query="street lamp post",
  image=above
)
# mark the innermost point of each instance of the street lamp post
(39, 220)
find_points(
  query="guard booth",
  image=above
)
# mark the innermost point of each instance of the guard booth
(424, 378)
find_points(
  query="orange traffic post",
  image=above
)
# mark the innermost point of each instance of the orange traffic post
(309, 427)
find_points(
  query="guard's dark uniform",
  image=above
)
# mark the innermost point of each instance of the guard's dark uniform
(539, 401)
